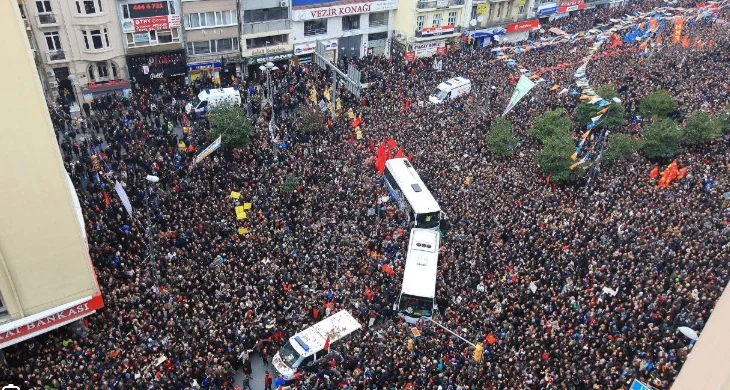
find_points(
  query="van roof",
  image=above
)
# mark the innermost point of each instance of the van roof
(217, 92)
(453, 83)
(336, 326)
(421, 270)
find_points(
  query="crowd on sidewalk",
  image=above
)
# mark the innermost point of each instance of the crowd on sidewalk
(216, 294)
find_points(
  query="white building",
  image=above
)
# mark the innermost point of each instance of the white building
(355, 29)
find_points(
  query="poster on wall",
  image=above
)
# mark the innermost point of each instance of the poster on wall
(149, 16)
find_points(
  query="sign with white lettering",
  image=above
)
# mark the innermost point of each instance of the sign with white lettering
(427, 49)
(49, 322)
(307, 48)
(342, 10)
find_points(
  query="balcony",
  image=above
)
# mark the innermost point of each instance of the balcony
(438, 4)
(55, 55)
(47, 20)
(264, 27)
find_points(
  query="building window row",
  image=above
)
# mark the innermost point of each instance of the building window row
(144, 10)
(378, 19)
(274, 40)
(211, 19)
(315, 27)
(96, 39)
(100, 72)
(213, 46)
(152, 38)
(265, 15)
(89, 7)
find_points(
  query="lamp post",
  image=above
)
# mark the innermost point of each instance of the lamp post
(267, 68)
(151, 179)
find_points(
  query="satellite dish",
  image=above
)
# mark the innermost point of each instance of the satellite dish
(473, 22)
(480, 18)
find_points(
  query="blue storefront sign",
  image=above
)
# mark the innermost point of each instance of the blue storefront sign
(204, 66)
(547, 11)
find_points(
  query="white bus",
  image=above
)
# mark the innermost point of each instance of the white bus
(306, 347)
(418, 293)
(409, 192)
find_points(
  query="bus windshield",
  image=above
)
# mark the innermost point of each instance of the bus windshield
(440, 94)
(289, 355)
(428, 221)
(414, 306)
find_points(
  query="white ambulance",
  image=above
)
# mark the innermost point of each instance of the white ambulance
(212, 97)
(450, 89)
(306, 347)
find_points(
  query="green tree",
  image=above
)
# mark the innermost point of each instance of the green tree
(662, 139)
(657, 104)
(551, 123)
(701, 128)
(607, 91)
(554, 158)
(584, 112)
(615, 117)
(620, 147)
(290, 184)
(724, 120)
(230, 121)
(500, 139)
(310, 121)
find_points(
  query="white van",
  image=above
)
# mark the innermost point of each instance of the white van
(306, 347)
(211, 97)
(450, 89)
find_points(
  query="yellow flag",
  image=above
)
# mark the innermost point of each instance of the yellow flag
(235, 195)
(242, 231)
(350, 114)
(246, 206)
(239, 209)
(241, 215)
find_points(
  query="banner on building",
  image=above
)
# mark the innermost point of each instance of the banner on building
(207, 151)
(482, 8)
(427, 49)
(527, 25)
(571, 5)
(524, 85)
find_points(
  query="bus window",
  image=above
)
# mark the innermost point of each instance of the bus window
(427, 221)
(415, 306)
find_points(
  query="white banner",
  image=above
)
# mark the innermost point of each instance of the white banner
(207, 151)
(426, 49)
(123, 197)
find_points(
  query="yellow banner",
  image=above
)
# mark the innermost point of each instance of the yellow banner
(483, 8)
(521, 3)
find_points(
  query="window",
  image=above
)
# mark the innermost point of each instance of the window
(436, 20)
(315, 27)
(265, 15)
(420, 22)
(93, 39)
(509, 10)
(102, 70)
(22, 15)
(115, 71)
(154, 37)
(499, 10)
(377, 36)
(125, 11)
(44, 6)
(521, 10)
(473, 12)
(88, 7)
(91, 72)
(214, 46)
(378, 19)
(164, 36)
(491, 12)
(211, 19)
(350, 22)
(53, 40)
(452, 19)
(255, 43)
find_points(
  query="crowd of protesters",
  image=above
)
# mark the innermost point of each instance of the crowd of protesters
(212, 297)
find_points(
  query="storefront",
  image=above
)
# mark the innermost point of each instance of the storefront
(483, 38)
(209, 70)
(153, 68)
(94, 90)
(546, 9)
(280, 59)
(519, 31)
(305, 51)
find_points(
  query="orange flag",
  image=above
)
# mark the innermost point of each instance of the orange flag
(685, 41)
(491, 339)
(659, 40)
(682, 172)
(654, 173)
(678, 24)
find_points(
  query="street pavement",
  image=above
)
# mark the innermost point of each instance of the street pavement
(257, 373)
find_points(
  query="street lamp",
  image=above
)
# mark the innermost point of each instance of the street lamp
(151, 179)
(267, 68)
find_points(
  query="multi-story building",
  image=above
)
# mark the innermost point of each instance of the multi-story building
(153, 40)
(498, 20)
(424, 26)
(212, 38)
(348, 28)
(46, 276)
(79, 49)
(266, 33)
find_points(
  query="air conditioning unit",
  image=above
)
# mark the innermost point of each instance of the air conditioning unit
(53, 84)
(284, 3)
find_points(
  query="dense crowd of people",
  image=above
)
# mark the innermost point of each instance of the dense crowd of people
(212, 296)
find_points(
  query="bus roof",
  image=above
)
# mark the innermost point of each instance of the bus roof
(217, 91)
(336, 326)
(419, 276)
(412, 186)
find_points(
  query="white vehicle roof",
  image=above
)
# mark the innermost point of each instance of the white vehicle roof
(208, 93)
(456, 82)
(336, 326)
(421, 271)
(422, 202)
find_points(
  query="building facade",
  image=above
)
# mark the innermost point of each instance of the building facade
(211, 35)
(79, 48)
(153, 40)
(46, 276)
(266, 33)
(348, 29)
(425, 26)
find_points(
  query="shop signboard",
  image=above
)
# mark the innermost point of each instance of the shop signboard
(202, 66)
(427, 49)
(527, 25)
(308, 48)
(433, 31)
(336, 10)
(149, 16)
(571, 5)
(269, 58)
